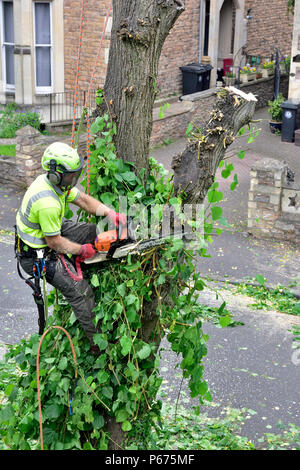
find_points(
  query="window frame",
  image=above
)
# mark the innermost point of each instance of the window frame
(43, 90)
(7, 86)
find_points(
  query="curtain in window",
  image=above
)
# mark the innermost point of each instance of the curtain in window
(42, 23)
(8, 36)
(9, 64)
(43, 66)
(43, 44)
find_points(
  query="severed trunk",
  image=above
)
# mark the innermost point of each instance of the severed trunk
(195, 168)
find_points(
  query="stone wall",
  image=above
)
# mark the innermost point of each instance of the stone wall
(20, 171)
(274, 202)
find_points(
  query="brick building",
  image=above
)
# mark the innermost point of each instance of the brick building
(39, 42)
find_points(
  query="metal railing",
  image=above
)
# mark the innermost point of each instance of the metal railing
(61, 105)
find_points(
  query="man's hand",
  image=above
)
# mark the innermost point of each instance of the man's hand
(87, 251)
(117, 218)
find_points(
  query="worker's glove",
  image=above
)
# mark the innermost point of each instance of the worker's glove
(87, 251)
(117, 218)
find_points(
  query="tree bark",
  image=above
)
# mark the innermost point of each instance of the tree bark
(195, 168)
(139, 30)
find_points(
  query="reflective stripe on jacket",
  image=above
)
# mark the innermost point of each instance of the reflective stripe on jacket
(42, 210)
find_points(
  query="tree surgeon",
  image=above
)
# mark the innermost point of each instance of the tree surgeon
(42, 234)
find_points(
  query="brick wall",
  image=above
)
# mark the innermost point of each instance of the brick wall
(180, 48)
(269, 28)
(95, 15)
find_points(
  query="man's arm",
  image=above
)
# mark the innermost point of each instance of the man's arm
(91, 205)
(63, 245)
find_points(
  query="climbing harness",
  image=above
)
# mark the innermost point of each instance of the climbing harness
(75, 277)
(38, 273)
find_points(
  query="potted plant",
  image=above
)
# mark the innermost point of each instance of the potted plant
(248, 74)
(229, 79)
(275, 111)
(268, 68)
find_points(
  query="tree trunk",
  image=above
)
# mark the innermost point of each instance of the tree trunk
(139, 30)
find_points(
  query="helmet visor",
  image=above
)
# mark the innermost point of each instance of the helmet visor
(70, 178)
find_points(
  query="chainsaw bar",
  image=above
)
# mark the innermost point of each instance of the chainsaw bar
(132, 248)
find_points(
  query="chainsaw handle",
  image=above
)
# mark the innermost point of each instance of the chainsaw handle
(119, 231)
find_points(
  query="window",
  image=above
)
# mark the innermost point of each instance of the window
(8, 44)
(43, 47)
(206, 27)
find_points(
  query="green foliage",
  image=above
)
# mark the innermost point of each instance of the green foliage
(199, 432)
(279, 298)
(122, 383)
(275, 108)
(290, 6)
(12, 119)
(8, 150)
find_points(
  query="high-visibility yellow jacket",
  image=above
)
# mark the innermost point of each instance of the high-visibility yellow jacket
(42, 210)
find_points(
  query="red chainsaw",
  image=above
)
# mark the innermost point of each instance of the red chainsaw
(119, 242)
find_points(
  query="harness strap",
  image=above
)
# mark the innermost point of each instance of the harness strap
(75, 277)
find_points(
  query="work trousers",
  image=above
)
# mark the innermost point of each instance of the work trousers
(78, 294)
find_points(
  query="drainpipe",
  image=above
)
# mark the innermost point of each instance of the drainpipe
(201, 31)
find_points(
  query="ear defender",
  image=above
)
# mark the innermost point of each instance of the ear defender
(53, 175)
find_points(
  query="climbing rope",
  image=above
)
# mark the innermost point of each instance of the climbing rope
(77, 71)
(87, 98)
(79, 273)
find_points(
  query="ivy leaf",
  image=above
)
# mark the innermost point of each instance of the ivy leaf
(216, 212)
(126, 426)
(102, 376)
(107, 392)
(130, 299)
(144, 352)
(260, 279)
(241, 154)
(63, 363)
(121, 415)
(129, 176)
(52, 411)
(98, 421)
(214, 196)
(121, 289)
(125, 342)
(95, 280)
(100, 341)
(234, 183)
(224, 321)
(107, 198)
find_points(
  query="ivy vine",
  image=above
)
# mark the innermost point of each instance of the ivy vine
(123, 382)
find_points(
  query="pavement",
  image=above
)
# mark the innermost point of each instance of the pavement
(251, 365)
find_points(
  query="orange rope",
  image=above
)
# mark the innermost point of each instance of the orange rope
(77, 72)
(38, 373)
(88, 94)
